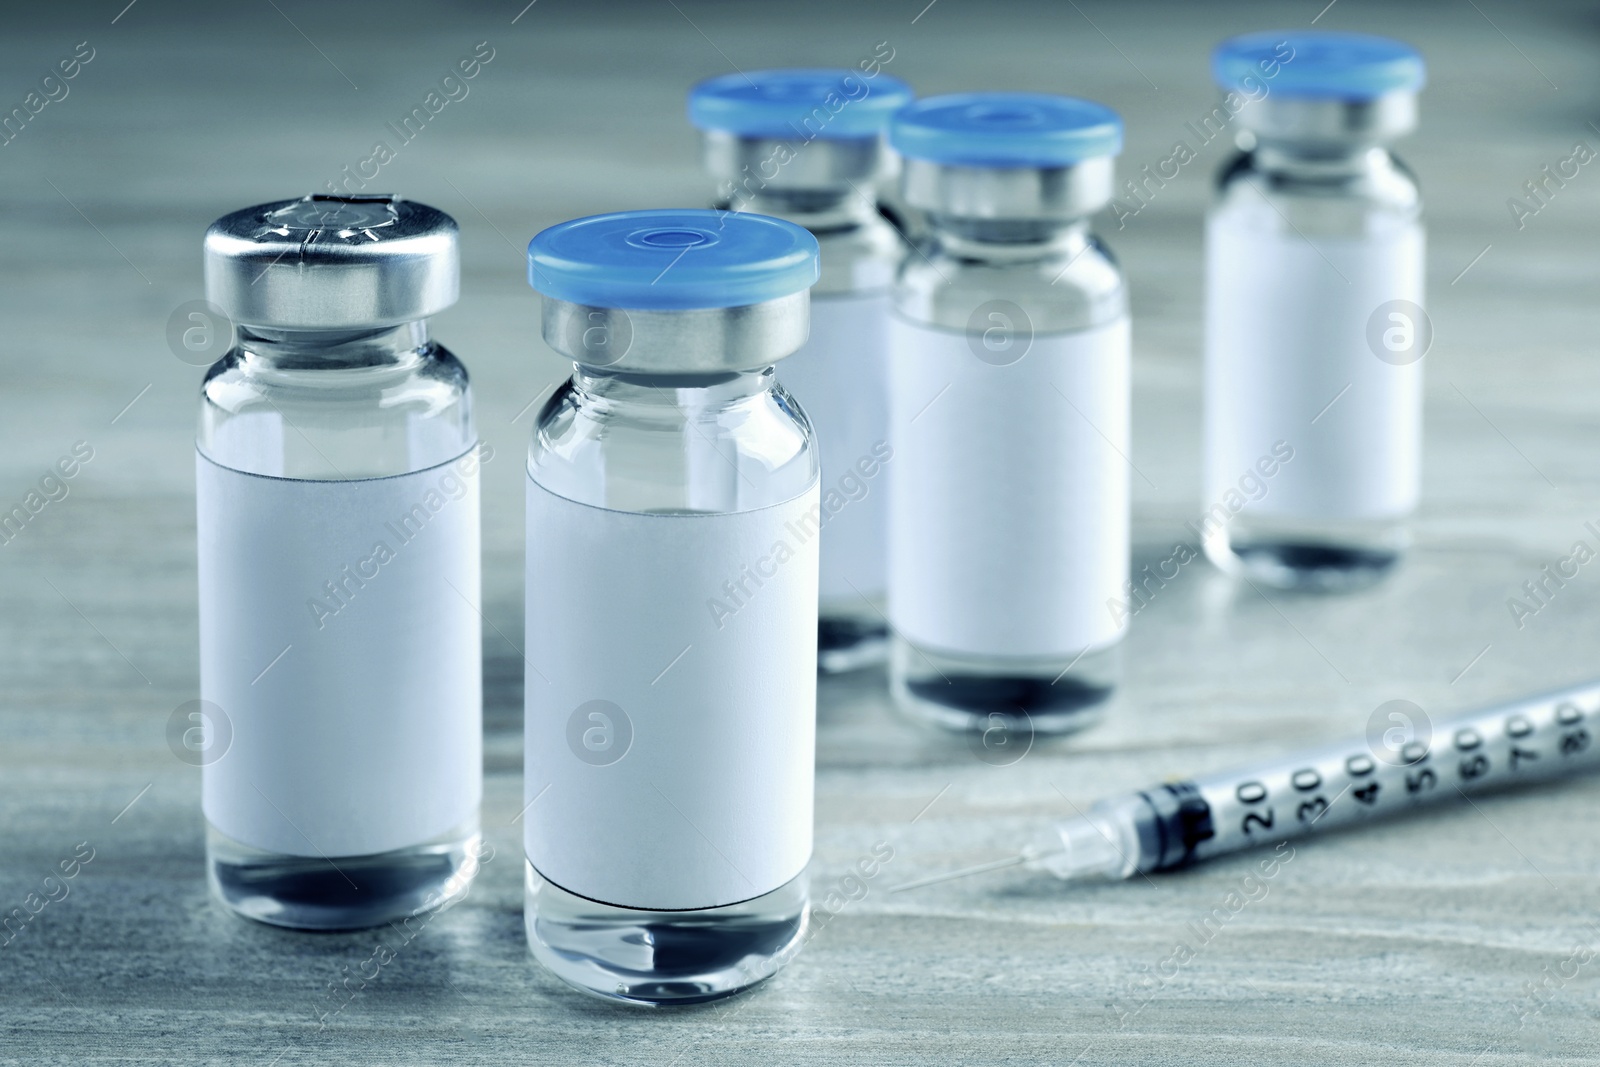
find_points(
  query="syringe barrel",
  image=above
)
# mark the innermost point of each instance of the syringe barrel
(1498, 747)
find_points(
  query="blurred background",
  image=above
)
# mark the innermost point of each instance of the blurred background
(1422, 939)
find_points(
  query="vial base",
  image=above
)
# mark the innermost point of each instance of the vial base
(341, 892)
(660, 958)
(1315, 557)
(964, 693)
(850, 638)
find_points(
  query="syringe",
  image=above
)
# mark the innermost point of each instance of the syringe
(1180, 823)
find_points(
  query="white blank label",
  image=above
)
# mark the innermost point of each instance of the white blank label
(839, 379)
(1289, 357)
(670, 723)
(1009, 504)
(355, 713)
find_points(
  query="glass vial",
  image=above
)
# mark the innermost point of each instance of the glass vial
(337, 496)
(673, 521)
(1009, 411)
(1315, 330)
(807, 146)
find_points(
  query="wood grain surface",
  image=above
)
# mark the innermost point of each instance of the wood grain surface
(1417, 942)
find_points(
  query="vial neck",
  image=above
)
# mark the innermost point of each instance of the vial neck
(1319, 160)
(1010, 238)
(388, 346)
(815, 209)
(678, 396)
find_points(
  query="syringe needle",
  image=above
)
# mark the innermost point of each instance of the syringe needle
(1075, 849)
(982, 868)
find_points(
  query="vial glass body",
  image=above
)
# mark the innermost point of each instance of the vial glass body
(312, 437)
(841, 377)
(1313, 384)
(1009, 522)
(640, 458)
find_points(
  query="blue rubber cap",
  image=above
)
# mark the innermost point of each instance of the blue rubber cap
(672, 260)
(1006, 130)
(803, 104)
(1318, 65)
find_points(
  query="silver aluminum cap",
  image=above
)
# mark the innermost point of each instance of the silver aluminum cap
(686, 341)
(746, 166)
(1332, 123)
(1008, 193)
(332, 263)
